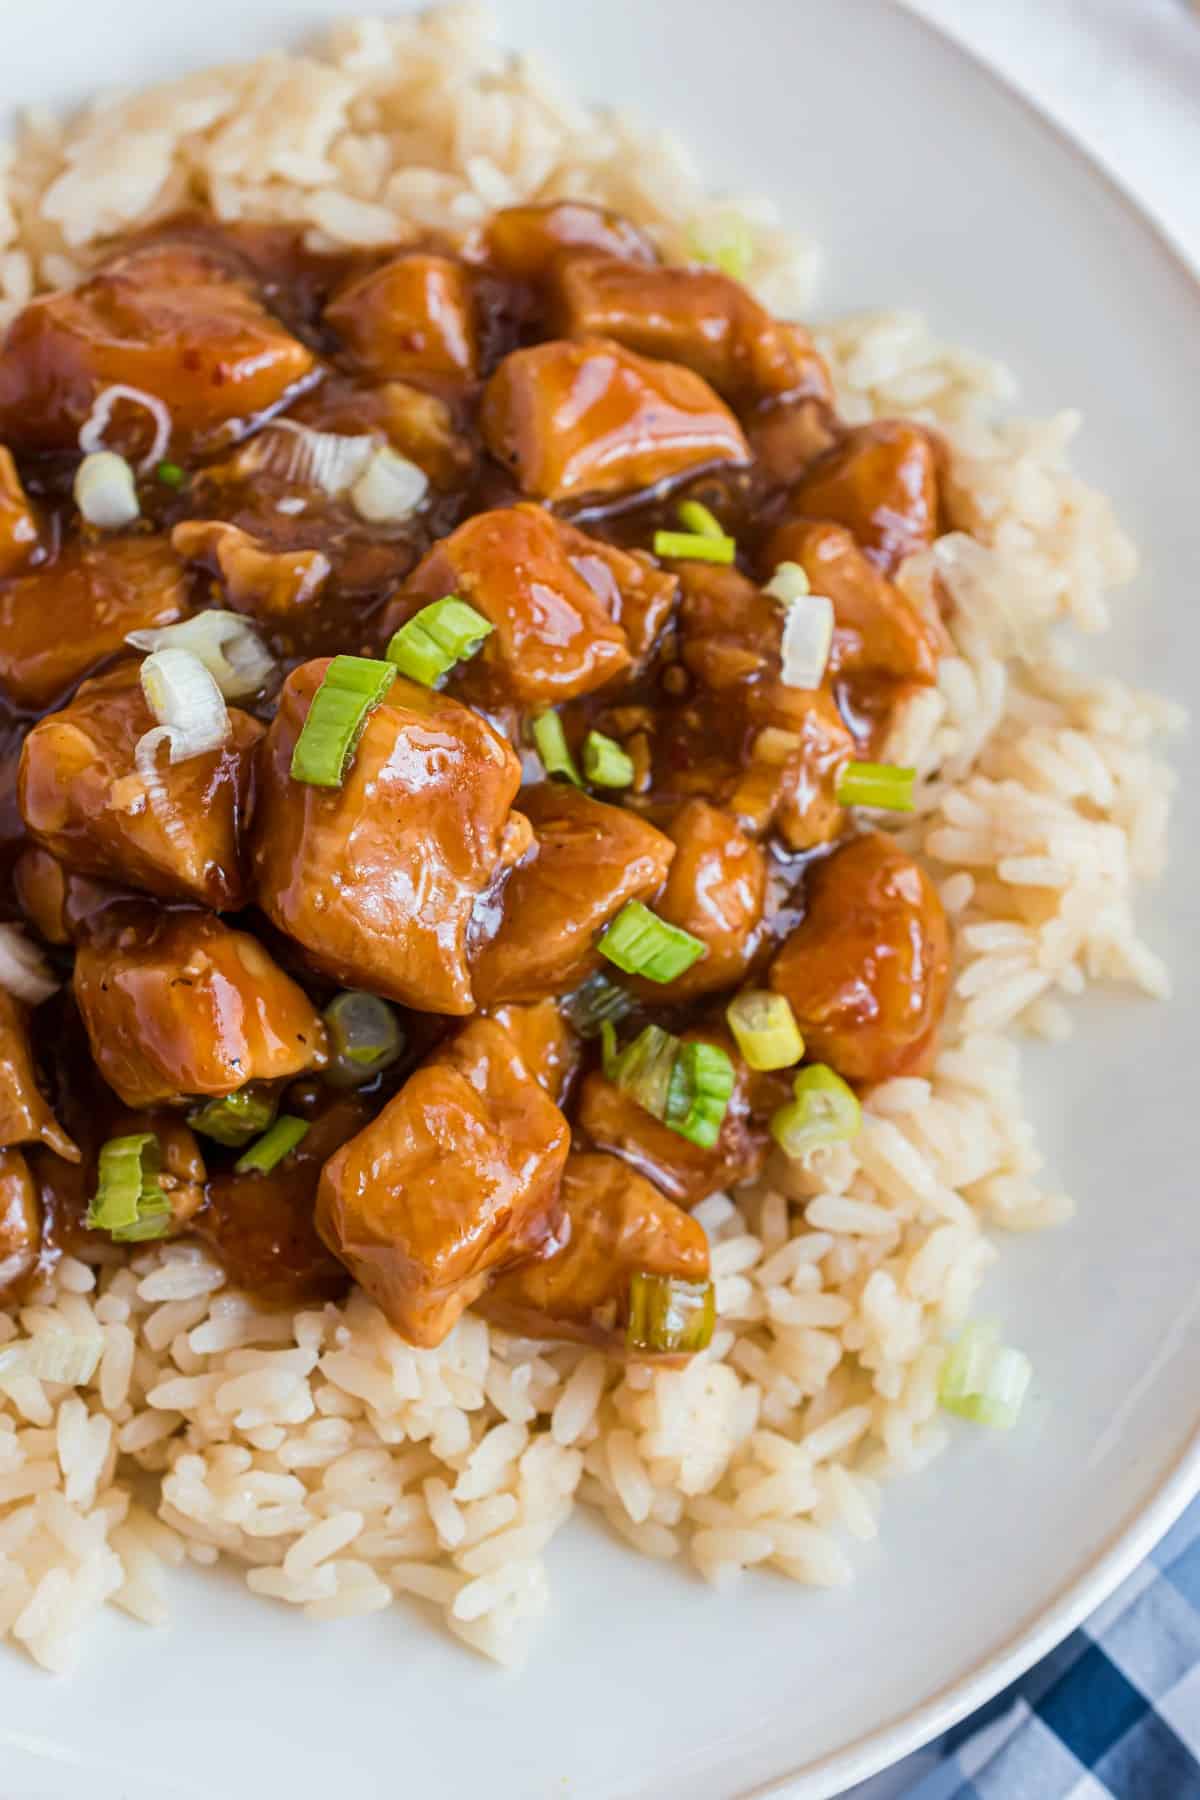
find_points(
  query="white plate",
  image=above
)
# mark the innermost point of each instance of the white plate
(930, 185)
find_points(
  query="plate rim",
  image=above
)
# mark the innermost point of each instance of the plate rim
(1131, 1542)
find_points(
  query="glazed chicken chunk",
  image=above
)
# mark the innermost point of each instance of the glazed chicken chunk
(20, 1222)
(378, 879)
(95, 594)
(553, 635)
(25, 1116)
(716, 890)
(697, 317)
(457, 1178)
(867, 970)
(587, 860)
(880, 482)
(412, 317)
(179, 836)
(177, 1004)
(168, 319)
(620, 1226)
(585, 416)
(525, 241)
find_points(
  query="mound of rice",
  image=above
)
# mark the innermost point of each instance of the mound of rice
(344, 1468)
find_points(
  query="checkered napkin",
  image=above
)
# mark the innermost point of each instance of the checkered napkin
(1112, 1714)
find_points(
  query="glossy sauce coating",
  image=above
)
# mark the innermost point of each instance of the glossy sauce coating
(561, 393)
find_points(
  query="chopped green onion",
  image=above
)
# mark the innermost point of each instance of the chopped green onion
(824, 1111)
(686, 1085)
(765, 1029)
(352, 687)
(129, 1202)
(273, 1146)
(983, 1380)
(788, 583)
(605, 763)
(364, 1037)
(640, 943)
(722, 237)
(670, 1316)
(428, 645)
(595, 1003)
(550, 741)
(170, 474)
(235, 1118)
(643, 1070)
(694, 516)
(697, 1099)
(876, 784)
(695, 545)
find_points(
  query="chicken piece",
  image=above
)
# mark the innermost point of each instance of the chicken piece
(590, 858)
(60, 621)
(57, 903)
(620, 1226)
(18, 527)
(585, 416)
(867, 970)
(456, 1179)
(697, 317)
(881, 483)
(716, 889)
(260, 1227)
(878, 633)
(613, 1121)
(20, 1224)
(175, 1003)
(168, 319)
(25, 1118)
(413, 316)
(790, 743)
(525, 241)
(636, 594)
(378, 878)
(548, 1047)
(270, 585)
(554, 636)
(788, 436)
(83, 799)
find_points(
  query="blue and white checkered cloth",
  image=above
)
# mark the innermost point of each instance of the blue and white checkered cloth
(1112, 1714)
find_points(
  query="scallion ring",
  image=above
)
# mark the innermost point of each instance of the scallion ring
(364, 1037)
(881, 785)
(351, 689)
(765, 1029)
(694, 546)
(550, 742)
(234, 1119)
(640, 943)
(605, 763)
(668, 1316)
(444, 633)
(823, 1111)
(270, 1149)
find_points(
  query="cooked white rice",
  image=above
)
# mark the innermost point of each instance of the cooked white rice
(341, 1466)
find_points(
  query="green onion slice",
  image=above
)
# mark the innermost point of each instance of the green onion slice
(550, 741)
(364, 1037)
(686, 1085)
(668, 1316)
(442, 634)
(596, 1002)
(170, 474)
(235, 1118)
(273, 1146)
(695, 516)
(605, 763)
(723, 238)
(983, 1380)
(824, 1111)
(699, 1092)
(696, 546)
(876, 784)
(765, 1029)
(129, 1202)
(640, 943)
(352, 688)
